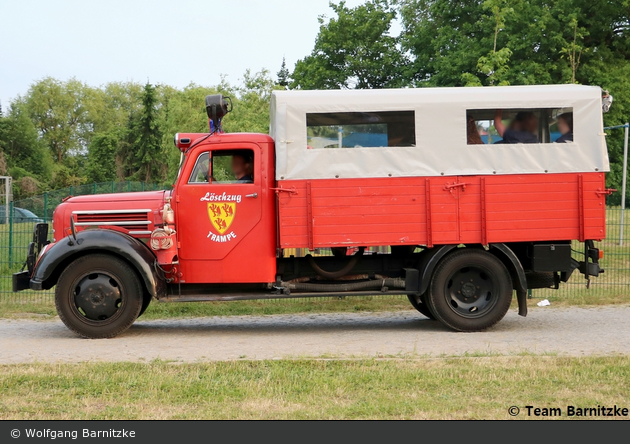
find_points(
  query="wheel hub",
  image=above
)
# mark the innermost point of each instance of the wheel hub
(468, 290)
(97, 296)
(471, 291)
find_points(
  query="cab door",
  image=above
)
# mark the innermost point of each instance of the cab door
(218, 218)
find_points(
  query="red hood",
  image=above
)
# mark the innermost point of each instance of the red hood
(120, 197)
(136, 206)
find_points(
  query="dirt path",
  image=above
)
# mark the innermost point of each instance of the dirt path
(572, 331)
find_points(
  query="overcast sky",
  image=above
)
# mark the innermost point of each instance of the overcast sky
(172, 42)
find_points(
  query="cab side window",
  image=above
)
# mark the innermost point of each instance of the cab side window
(201, 171)
(233, 166)
(224, 167)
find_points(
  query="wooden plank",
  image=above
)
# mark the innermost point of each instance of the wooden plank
(385, 227)
(533, 216)
(366, 220)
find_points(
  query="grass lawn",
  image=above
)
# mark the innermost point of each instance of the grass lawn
(453, 388)
(45, 309)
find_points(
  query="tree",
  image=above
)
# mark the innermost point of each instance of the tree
(445, 40)
(102, 157)
(495, 65)
(149, 159)
(58, 111)
(21, 144)
(353, 50)
(283, 75)
(251, 110)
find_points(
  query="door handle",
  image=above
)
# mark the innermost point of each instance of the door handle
(255, 195)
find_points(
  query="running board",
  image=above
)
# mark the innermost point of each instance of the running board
(258, 296)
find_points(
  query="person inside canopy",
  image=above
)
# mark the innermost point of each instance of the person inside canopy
(522, 129)
(565, 126)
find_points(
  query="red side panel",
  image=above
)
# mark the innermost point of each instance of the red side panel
(441, 210)
(545, 207)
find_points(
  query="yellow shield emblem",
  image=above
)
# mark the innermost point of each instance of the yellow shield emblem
(221, 215)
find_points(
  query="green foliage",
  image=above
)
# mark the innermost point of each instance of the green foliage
(283, 75)
(22, 146)
(251, 110)
(102, 156)
(60, 113)
(149, 161)
(353, 50)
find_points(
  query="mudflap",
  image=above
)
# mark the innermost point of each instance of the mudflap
(521, 298)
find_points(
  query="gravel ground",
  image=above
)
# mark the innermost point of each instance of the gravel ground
(571, 332)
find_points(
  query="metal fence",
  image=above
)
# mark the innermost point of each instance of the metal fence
(16, 232)
(17, 224)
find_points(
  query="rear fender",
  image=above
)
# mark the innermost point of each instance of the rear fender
(429, 259)
(514, 266)
(59, 255)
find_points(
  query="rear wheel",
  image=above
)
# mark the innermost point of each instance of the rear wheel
(470, 290)
(98, 296)
(419, 303)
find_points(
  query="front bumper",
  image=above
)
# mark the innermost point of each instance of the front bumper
(21, 281)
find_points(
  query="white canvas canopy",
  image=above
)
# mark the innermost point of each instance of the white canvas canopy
(440, 133)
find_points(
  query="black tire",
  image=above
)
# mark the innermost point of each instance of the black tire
(419, 304)
(98, 296)
(146, 301)
(471, 290)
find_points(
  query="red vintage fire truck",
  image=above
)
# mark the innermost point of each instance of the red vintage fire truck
(409, 191)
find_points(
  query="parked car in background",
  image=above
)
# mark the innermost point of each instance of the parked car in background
(20, 215)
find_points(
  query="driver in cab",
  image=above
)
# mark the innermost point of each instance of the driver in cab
(243, 168)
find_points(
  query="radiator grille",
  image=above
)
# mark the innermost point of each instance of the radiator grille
(130, 220)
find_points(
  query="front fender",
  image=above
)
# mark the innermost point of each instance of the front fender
(59, 255)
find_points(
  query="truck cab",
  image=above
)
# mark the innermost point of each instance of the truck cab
(457, 228)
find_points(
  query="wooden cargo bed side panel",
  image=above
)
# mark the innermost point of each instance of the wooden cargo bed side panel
(353, 212)
(515, 208)
(594, 206)
(292, 214)
(360, 212)
(444, 211)
(543, 207)
(470, 210)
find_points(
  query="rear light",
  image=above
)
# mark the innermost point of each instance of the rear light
(601, 254)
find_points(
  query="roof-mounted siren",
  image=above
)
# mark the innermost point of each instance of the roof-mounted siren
(217, 107)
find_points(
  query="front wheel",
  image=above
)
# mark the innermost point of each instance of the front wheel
(471, 290)
(98, 296)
